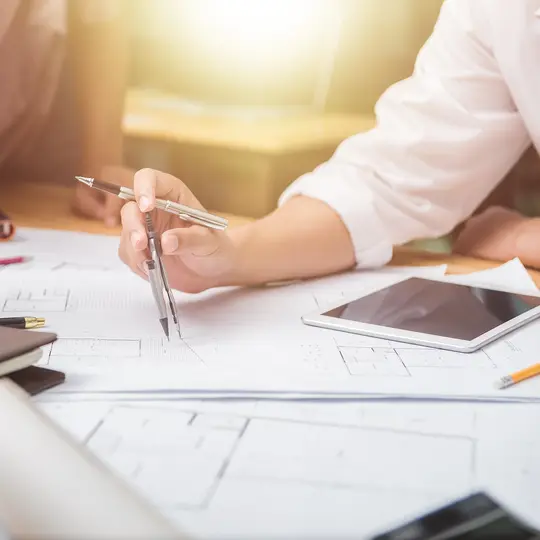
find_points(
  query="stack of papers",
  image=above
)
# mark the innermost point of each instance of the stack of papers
(241, 342)
(200, 425)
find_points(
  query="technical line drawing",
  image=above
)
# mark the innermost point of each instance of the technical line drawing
(197, 451)
(37, 300)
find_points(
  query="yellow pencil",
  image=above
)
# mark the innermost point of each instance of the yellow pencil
(518, 376)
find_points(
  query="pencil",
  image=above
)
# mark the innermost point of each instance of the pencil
(518, 376)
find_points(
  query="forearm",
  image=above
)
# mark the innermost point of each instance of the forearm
(302, 239)
(100, 58)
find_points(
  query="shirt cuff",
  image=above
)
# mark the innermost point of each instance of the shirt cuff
(353, 201)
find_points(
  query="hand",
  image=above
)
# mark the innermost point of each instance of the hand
(196, 258)
(499, 234)
(94, 204)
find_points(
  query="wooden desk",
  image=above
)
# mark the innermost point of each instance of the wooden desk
(236, 162)
(48, 207)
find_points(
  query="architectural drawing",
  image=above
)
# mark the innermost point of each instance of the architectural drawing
(38, 300)
(83, 355)
(353, 469)
(249, 341)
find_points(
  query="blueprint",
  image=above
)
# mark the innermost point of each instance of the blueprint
(242, 342)
(258, 469)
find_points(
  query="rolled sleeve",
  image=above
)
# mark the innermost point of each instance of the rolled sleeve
(444, 139)
(338, 187)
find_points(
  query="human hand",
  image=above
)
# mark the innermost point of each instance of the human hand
(500, 234)
(196, 258)
(94, 204)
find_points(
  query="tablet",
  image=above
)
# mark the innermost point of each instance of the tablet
(431, 313)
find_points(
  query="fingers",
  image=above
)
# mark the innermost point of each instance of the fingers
(132, 258)
(113, 206)
(133, 227)
(134, 242)
(88, 203)
(149, 184)
(196, 240)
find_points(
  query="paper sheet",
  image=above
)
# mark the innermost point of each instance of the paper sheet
(312, 470)
(243, 342)
(60, 251)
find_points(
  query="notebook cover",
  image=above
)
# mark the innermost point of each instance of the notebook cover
(15, 342)
(35, 380)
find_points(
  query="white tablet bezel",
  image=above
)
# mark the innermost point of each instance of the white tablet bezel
(318, 319)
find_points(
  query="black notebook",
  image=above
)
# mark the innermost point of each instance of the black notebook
(19, 351)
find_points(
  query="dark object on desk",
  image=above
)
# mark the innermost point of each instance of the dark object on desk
(15, 346)
(7, 229)
(477, 517)
(35, 380)
(23, 323)
(15, 342)
(20, 349)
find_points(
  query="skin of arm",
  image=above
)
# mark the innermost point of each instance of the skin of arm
(303, 238)
(99, 50)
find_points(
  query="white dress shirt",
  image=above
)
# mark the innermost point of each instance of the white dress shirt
(445, 137)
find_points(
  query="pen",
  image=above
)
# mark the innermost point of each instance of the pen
(23, 323)
(13, 260)
(518, 376)
(183, 212)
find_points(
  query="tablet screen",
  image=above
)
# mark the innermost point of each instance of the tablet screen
(436, 308)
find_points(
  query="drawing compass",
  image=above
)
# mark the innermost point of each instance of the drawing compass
(159, 282)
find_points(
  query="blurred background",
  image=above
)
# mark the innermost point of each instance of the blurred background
(240, 97)
(337, 55)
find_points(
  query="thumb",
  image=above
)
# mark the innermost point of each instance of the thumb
(195, 240)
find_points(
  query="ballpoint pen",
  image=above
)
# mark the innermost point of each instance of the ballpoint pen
(159, 282)
(23, 323)
(184, 212)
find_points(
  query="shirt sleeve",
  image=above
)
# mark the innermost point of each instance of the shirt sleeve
(443, 140)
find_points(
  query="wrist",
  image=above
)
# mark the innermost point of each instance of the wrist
(237, 272)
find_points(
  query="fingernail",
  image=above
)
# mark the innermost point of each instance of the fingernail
(169, 244)
(136, 239)
(111, 222)
(144, 203)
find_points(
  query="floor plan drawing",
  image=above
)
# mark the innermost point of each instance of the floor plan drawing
(350, 467)
(246, 340)
(85, 355)
(36, 300)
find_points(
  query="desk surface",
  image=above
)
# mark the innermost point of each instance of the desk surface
(48, 207)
